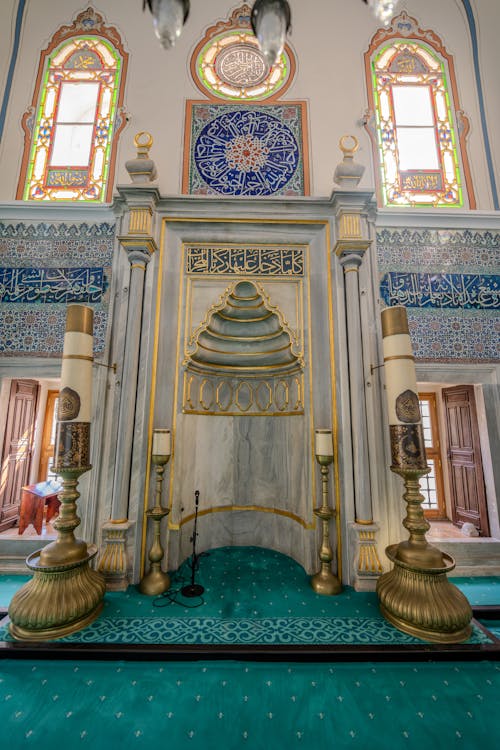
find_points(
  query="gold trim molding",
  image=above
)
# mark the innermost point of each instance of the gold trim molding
(235, 508)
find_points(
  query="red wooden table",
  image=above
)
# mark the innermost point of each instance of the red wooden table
(34, 498)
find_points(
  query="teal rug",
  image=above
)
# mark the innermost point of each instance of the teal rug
(252, 596)
(235, 705)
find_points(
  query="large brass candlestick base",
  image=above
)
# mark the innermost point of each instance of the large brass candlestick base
(65, 594)
(324, 581)
(155, 582)
(416, 595)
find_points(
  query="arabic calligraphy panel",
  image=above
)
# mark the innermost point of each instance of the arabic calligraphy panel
(43, 285)
(441, 290)
(237, 150)
(250, 261)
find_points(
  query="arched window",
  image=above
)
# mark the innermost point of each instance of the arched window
(413, 111)
(72, 127)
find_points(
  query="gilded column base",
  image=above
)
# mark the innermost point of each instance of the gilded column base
(422, 602)
(113, 563)
(365, 562)
(58, 600)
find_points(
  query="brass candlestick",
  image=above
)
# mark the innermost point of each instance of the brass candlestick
(416, 595)
(156, 581)
(324, 581)
(65, 594)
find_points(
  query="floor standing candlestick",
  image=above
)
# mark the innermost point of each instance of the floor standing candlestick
(156, 581)
(324, 581)
(416, 595)
(65, 594)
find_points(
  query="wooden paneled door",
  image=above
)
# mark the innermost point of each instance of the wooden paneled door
(468, 496)
(17, 448)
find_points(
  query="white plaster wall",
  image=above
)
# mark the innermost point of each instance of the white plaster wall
(7, 28)
(329, 38)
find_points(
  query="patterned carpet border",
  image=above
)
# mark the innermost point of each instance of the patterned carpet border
(211, 630)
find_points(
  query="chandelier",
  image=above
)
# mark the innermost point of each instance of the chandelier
(271, 21)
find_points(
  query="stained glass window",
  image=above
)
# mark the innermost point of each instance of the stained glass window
(72, 137)
(415, 122)
(416, 140)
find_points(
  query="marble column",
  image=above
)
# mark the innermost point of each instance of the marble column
(352, 243)
(139, 245)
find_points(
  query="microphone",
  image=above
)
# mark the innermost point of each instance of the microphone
(194, 589)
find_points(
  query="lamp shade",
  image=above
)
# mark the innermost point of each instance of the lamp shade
(383, 10)
(169, 17)
(75, 395)
(270, 23)
(405, 425)
(72, 445)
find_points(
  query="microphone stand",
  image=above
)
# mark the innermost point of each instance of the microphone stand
(194, 589)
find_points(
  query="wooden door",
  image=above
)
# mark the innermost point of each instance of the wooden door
(48, 437)
(17, 448)
(468, 497)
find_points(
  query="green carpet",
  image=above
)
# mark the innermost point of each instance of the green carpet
(252, 596)
(230, 705)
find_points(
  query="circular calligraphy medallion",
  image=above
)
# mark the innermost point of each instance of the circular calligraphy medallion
(407, 407)
(246, 152)
(69, 405)
(241, 65)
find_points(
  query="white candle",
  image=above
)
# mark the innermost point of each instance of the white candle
(324, 443)
(75, 398)
(399, 366)
(161, 442)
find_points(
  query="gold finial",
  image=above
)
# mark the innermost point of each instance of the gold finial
(345, 149)
(143, 142)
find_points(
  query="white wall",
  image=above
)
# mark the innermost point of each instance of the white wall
(329, 38)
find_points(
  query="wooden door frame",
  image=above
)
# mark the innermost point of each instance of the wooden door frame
(439, 514)
(43, 463)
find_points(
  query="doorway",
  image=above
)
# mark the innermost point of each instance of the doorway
(454, 490)
(30, 406)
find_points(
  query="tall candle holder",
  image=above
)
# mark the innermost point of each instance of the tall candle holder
(325, 581)
(156, 581)
(65, 594)
(416, 595)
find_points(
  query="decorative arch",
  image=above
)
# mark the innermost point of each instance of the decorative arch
(71, 128)
(415, 123)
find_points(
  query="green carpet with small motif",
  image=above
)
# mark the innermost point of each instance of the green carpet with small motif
(252, 596)
(235, 705)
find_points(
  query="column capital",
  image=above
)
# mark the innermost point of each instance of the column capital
(139, 206)
(139, 248)
(139, 195)
(352, 222)
(351, 252)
